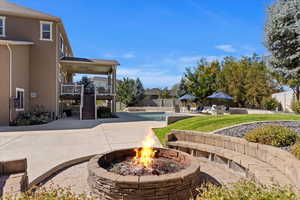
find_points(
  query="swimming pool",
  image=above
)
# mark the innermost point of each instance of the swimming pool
(153, 116)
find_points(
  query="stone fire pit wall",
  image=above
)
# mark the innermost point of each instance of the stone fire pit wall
(176, 186)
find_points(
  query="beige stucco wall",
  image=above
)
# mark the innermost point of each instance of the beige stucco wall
(42, 59)
(20, 72)
(4, 85)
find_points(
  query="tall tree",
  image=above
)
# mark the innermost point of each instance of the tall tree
(126, 92)
(140, 91)
(202, 81)
(247, 80)
(182, 89)
(283, 41)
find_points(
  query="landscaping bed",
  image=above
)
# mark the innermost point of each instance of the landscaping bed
(213, 123)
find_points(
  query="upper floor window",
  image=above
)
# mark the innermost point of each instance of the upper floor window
(46, 30)
(61, 46)
(2, 26)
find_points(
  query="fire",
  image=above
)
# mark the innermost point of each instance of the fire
(144, 156)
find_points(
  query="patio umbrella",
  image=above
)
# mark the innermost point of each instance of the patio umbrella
(187, 97)
(220, 95)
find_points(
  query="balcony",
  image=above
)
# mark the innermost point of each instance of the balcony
(71, 89)
(104, 91)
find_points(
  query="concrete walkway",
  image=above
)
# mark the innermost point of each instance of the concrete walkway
(48, 145)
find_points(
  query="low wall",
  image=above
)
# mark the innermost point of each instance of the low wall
(284, 161)
(241, 129)
(15, 179)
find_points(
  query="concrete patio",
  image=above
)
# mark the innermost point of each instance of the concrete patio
(48, 145)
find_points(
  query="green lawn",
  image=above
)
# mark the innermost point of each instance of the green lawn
(211, 123)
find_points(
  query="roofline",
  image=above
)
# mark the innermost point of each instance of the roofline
(13, 42)
(66, 36)
(55, 19)
(91, 63)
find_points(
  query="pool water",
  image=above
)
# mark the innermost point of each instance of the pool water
(153, 116)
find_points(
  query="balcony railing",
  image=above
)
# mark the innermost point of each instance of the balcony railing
(104, 90)
(71, 89)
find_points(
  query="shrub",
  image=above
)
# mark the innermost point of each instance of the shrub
(52, 193)
(296, 150)
(104, 112)
(32, 118)
(246, 190)
(296, 106)
(270, 103)
(272, 135)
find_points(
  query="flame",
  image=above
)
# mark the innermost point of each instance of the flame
(144, 156)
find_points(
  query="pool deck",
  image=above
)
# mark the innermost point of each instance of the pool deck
(51, 144)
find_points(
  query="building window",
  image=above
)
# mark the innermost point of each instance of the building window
(46, 30)
(61, 46)
(2, 26)
(20, 100)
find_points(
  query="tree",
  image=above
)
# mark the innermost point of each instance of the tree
(126, 91)
(130, 91)
(283, 41)
(247, 80)
(181, 89)
(87, 84)
(140, 91)
(202, 81)
(164, 93)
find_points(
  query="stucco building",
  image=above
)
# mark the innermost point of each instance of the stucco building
(37, 66)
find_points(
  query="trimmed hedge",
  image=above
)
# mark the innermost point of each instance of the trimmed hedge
(277, 136)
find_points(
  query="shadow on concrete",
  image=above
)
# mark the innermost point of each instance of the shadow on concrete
(74, 124)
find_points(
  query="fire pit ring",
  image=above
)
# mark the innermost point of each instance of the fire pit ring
(173, 186)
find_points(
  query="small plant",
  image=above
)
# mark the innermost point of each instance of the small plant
(245, 190)
(296, 106)
(296, 150)
(52, 193)
(277, 136)
(104, 112)
(270, 103)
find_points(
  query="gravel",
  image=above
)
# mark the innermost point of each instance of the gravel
(240, 131)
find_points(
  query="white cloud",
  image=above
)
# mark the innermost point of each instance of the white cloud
(127, 55)
(226, 47)
(150, 78)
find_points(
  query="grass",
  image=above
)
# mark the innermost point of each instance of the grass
(212, 123)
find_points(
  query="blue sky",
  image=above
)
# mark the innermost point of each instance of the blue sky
(157, 39)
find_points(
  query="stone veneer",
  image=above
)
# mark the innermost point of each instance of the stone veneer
(175, 186)
(280, 159)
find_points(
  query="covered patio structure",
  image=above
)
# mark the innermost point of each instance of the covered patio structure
(69, 90)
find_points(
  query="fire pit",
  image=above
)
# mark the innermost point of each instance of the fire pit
(143, 173)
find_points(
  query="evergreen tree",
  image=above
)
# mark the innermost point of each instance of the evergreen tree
(283, 41)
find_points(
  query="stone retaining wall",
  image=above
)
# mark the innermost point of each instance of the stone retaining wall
(13, 177)
(241, 129)
(276, 157)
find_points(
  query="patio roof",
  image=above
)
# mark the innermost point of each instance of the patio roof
(87, 65)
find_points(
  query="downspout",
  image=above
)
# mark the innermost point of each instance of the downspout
(10, 81)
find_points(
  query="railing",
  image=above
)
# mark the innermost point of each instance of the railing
(104, 91)
(69, 89)
(73, 89)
